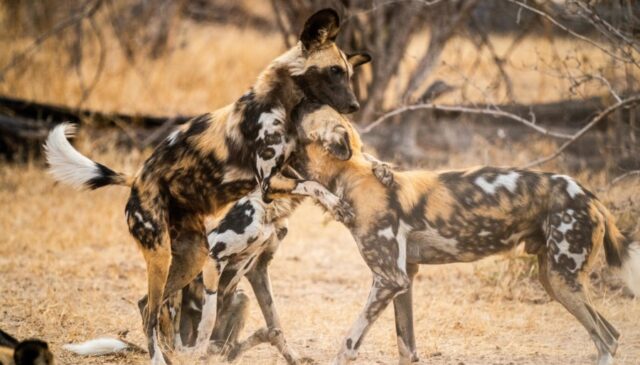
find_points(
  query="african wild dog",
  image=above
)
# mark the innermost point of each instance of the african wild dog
(425, 217)
(214, 160)
(28, 352)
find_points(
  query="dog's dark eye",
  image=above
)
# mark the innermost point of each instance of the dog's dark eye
(337, 70)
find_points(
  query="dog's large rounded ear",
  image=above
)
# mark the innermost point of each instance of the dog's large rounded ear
(358, 59)
(321, 27)
(338, 145)
(33, 352)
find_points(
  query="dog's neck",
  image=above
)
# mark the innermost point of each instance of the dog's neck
(276, 84)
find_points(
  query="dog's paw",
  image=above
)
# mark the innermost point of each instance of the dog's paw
(383, 173)
(233, 353)
(343, 212)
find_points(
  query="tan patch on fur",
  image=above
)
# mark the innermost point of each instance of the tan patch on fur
(326, 56)
(6, 356)
(212, 140)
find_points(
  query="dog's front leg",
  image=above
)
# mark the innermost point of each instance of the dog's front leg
(403, 310)
(283, 187)
(381, 294)
(390, 279)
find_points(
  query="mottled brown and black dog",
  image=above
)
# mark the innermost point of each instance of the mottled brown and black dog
(214, 160)
(407, 218)
(27, 352)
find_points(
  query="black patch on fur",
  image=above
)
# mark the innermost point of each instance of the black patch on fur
(217, 248)
(105, 177)
(349, 343)
(6, 340)
(238, 218)
(323, 86)
(198, 125)
(148, 237)
(248, 264)
(281, 233)
(27, 352)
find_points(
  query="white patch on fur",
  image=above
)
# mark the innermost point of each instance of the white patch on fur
(484, 233)
(386, 233)
(172, 137)
(272, 122)
(508, 181)
(563, 246)
(96, 347)
(66, 164)
(157, 359)
(207, 322)
(401, 237)
(239, 242)
(631, 269)
(573, 188)
(578, 258)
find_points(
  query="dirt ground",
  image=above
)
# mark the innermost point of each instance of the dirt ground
(70, 272)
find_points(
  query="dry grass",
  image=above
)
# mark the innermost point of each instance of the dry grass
(70, 271)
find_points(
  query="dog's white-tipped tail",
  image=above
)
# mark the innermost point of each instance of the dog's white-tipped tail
(631, 268)
(97, 347)
(69, 166)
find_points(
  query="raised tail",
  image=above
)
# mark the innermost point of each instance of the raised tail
(621, 252)
(69, 166)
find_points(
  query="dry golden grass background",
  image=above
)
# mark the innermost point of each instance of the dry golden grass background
(69, 270)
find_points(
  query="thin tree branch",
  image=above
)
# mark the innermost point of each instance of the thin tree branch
(89, 9)
(624, 176)
(495, 112)
(597, 119)
(573, 33)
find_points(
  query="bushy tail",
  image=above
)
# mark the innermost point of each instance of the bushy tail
(100, 346)
(621, 252)
(69, 166)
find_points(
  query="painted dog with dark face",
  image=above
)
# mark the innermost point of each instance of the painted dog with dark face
(27, 352)
(427, 217)
(407, 218)
(214, 160)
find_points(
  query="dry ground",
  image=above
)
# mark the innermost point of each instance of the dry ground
(69, 270)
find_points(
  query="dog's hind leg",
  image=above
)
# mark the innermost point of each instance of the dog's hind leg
(158, 262)
(566, 290)
(403, 309)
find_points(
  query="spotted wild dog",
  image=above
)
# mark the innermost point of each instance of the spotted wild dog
(27, 352)
(407, 218)
(214, 160)
(243, 244)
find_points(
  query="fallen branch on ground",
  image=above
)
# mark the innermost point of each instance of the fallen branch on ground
(485, 111)
(597, 119)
